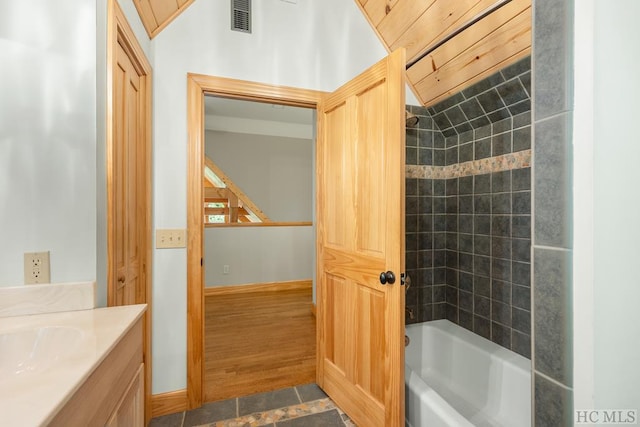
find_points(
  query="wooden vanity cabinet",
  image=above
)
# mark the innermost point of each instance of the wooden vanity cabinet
(113, 395)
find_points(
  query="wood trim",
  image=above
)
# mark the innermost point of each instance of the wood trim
(118, 29)
(197, 86)
(258, 287)
(261, 224)
(168, 403)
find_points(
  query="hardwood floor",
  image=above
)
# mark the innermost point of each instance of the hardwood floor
(257, 342)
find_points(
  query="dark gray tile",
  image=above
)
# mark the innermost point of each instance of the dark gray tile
(517, 68)
(472, 109)
(425, 138)
(466, 281)
(501, 247)
(501, 313)
(439, 293)
(521, 226)
(266, 401)
(482, 245)
(521, 250)
(425, 187)
(465, 152)
(210, 412)
(465, 300)
(482, 204)
(482, 148)
(465, 221)
(442, 121)
(521, 273)
(501, 144)
(501, 181)
(451, 156)
(465, 319)
(521, 296)
(553, 67)
(438, 157)
(525, 79)
(501, 335)
(465, 243)
(501, 203)
(323, 419)
(309, 392)
(411, 138)
(512, 92)
(482, 286)
(465, 204)
(521, 120)
(490, 101)
(482, 306)
(480, 122)
(521, 179)
(521, 343)
(448, 102)
(501, 269)
(425, 156)
(452, 186)
(501, 291)
(553, 181)
(439, 311)
(522, 139)
(552, 307)
(482, 265)
(522, 202)
(501, 126)
(483, 85)
(501, 225)
(482, 183)
(410, 187)
(520, 107)
(482, 224)
(521, 320)
(482, 326)
(171, 420)
(455, 115)
(411, 156)
(501, 114)
(553, 404)
(438, 140)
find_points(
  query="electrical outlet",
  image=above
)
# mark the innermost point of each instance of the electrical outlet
(37, 268)
(225, 269)
(171, 238)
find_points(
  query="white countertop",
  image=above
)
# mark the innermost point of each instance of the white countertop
(33, 396)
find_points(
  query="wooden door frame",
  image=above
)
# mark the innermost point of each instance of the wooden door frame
(119, 31)
(198, 86)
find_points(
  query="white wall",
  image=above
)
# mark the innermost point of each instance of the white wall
(312, 45)
(274, 172)
(606, 314)
(258, 255)
(48, 137)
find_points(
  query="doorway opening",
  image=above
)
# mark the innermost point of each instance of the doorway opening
(197, 87)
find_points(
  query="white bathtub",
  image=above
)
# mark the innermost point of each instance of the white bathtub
(454, 377)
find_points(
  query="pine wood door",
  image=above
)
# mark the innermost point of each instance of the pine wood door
(360, 204)
(129, 162)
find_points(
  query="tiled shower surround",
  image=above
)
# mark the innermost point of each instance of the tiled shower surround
(468, 210)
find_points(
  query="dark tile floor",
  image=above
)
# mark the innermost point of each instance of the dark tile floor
(301, 406)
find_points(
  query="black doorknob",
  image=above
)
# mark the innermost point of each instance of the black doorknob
(387, 277)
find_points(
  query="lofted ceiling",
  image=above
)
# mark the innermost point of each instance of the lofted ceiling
(454, 63)
(462, 45)
(157, 14)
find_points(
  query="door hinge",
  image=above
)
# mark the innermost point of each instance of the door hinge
(200, 262)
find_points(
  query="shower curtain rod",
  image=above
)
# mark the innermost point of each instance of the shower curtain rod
(451, 35)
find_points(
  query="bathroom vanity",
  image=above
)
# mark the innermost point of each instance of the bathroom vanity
(68, 368)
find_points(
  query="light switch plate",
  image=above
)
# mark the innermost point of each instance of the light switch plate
(171, 238)
(37, 268)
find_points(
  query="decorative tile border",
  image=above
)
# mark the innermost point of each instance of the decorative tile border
(276, 415)
(517, 160)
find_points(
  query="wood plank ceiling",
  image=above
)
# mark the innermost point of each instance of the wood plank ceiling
(499, 39)
(157, 14)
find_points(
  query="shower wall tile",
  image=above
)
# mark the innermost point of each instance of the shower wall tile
(553, 182)
(553, 55)
(553, 322)
(553, 404)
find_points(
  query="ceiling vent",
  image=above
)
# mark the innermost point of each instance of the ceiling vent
(241, 15)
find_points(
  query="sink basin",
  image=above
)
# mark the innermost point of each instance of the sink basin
(31, 351)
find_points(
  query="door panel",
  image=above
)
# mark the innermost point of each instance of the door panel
(129, 166)
(361, 234)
